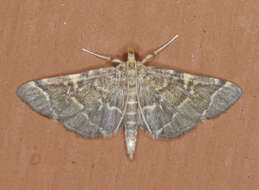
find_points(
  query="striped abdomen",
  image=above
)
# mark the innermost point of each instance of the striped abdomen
(131, 117)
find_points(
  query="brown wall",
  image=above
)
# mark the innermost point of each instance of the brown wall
(43, 38)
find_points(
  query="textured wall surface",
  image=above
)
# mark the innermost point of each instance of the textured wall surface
(43, 38)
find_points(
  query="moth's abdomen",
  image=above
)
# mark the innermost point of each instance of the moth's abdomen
(131, 119)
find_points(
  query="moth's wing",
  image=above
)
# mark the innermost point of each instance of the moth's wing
(90, 103)
(173, 103)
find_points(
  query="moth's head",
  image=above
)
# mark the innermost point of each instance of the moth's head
(131, 55)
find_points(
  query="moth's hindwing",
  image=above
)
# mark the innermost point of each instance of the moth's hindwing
(89, 103)
(173, 103)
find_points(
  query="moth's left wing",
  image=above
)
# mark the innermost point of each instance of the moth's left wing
(173, 103)
(90, 103)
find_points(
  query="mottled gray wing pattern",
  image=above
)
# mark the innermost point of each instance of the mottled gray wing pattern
(173, 103)
(90, 103)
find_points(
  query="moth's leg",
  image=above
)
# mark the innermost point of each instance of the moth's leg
(102, 56)
(149, 56)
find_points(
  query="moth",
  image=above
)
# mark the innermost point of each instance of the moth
(99, 102)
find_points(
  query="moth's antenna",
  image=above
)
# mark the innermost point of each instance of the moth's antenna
(166, 44)
(102, 56)
(149, 56)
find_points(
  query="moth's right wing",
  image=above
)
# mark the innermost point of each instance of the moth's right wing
(173, 103)
(90, 103)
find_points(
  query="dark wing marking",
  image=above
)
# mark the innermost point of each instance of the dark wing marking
(89, 103)
(173, 103)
